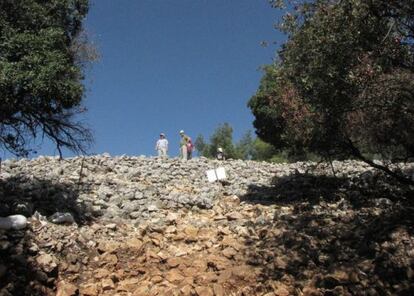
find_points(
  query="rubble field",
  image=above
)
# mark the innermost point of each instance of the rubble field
(148, 226)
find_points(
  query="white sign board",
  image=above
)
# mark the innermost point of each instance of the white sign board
(216, 174)
(221, 173)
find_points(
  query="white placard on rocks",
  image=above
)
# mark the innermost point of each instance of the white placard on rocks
(216, 174)
(211, 175)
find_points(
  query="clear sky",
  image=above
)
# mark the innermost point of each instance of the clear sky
(170, 65)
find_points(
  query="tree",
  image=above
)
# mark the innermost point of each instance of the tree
(202, 147)
(42, 56)
(245, 147)
(248, 147)
(262, 150)
(343, 82)
(223, 137)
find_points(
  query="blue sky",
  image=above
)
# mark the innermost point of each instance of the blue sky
(170, 65)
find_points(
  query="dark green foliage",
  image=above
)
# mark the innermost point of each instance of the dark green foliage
(343, 84)
(42, 54)
(222, 137)
(202, 147)
(263, 150)
(245, 148)
(268, 121)
(248, 147)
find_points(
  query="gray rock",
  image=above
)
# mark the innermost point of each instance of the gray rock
(62, 218)
(152, 208)
(135, 215)
(131, 206)
(13, 222)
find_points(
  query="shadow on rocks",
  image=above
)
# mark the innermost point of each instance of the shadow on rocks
(334, 236)
(24, 195)
(296, 188)
(23, 269)
(366, 188)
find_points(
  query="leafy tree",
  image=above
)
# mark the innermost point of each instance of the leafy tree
(262, 150)
(202, 147)
(244, 149)
(42, 56)
(343, 84)
(223, 137)
(248, 147)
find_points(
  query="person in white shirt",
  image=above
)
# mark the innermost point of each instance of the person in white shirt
(162, 146)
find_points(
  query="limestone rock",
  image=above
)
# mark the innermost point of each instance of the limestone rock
(174, 276)
(204, 291)
(47, 262)
(66, 289)
(89, 290)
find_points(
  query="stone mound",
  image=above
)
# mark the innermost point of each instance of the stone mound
(146, 226)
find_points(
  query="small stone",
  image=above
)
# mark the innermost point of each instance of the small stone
(157, 279)
(171, 218)
(89, 290)
(72, 258)
(107, 284)
(282, 291)
(162, 255)
(152, 208)
(128, 284)
(101, 273)
(231, 242)
(191, 233)
(243, 272)
(111, 226)
(108, 259)
(234, 216)
(74, 268)
(206, 277)
(135, 243)
(174, 276)
(108, 246)
(229, 252)
(309, 291)
(219, 218)
(66, 289)
(14, 222)
(173, 262)
(341, 276)
(218, 290)
(171, 229)
(47, 262)
(204, 291)
(135, 215)
(280, 263)
(186, 290)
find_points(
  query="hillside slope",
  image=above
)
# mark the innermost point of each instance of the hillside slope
(146, 226)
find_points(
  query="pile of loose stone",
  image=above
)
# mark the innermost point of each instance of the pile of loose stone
(126, 187)
(147, 226)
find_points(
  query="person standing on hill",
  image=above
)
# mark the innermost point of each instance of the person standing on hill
(220, 154)
(162, 146)
(186, 146)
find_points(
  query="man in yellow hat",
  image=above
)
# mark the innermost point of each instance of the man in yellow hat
(186, 146)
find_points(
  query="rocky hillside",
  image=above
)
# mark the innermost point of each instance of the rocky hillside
(145, 226)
